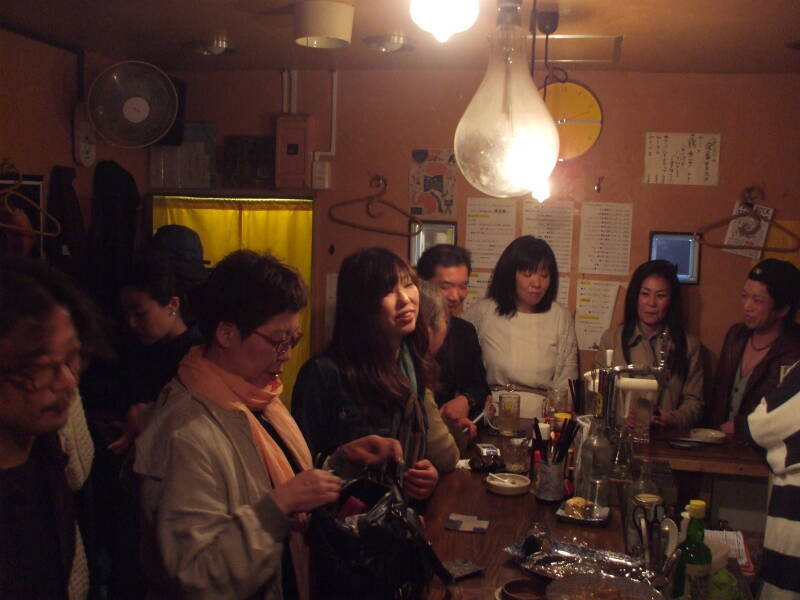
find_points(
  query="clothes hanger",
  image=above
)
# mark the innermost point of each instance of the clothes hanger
(371, 203)
(8, 168)
(750, 196)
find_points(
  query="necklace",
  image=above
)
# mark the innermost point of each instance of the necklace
(764, 347)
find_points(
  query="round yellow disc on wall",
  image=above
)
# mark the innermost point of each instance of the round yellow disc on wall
(578, 117)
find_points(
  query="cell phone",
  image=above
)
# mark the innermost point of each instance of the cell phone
(462, 568)
(488, 449)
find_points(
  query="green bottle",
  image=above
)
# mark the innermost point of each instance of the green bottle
(694, 567)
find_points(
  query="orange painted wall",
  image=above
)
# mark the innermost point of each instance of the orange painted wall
(384, 114)
(37, 95)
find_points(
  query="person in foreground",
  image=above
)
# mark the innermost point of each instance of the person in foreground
(773, 426)
(373, 376)
(45, 449)
(652, 305)
(462, 388)
(527, 338)
(225, 473)
(755, 351)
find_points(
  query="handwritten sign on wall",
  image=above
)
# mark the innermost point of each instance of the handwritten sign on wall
(681, 158)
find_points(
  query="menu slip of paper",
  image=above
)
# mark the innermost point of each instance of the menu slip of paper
(735, 542)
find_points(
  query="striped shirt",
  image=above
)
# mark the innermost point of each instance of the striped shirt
(775, 426)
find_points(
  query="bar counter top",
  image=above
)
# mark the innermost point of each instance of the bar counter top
(509, 518)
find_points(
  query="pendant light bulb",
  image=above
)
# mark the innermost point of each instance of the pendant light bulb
(506, 143)
(443, 18)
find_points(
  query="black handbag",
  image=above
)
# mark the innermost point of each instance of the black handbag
(385, 555)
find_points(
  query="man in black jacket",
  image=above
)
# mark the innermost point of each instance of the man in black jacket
(463, 388)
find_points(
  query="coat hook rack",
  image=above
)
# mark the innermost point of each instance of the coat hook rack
(750, 197)
(372, 204)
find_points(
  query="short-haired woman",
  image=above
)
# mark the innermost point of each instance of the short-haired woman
(653, 304)
(527, 338)
(225, 472)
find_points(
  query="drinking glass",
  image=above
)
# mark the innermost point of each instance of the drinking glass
(507, 420)
(642, 409)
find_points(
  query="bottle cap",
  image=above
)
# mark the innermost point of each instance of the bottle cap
(697, 509)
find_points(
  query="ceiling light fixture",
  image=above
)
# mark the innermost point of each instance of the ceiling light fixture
(390, 42)
(506, 143)
(443, 18)
(323, 23)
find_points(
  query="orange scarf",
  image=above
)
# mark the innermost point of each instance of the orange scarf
(230, 392)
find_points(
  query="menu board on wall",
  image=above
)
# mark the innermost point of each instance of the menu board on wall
(605, 238)
(478, 284)
(681, 158)
(491, 226)
(595, 307)
(563, 290)
(552, 222)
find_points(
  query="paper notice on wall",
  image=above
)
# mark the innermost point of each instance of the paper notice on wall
(563, 291)
(593, 311)
(605, 238)
(681, 158)
(491, 223)
(478, 284)
(331, 280)
(551, 221)
(748, 231)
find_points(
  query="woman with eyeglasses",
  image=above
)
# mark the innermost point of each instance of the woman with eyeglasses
(373, 376)
(225, 474)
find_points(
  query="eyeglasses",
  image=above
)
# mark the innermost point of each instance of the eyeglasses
(284, 345)
(43, 376)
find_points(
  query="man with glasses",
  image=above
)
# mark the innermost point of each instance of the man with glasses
(463, 388)
(41, 549)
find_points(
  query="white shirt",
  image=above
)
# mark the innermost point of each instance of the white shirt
(531, 349)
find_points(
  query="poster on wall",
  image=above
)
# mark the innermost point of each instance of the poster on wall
(432, 183)
(681, 158)
(748, 232)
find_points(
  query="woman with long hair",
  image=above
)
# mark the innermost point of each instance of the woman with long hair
(527, 338)
(652, 305)
(373, 376)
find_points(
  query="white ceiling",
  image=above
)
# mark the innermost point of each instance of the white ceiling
(680, 36)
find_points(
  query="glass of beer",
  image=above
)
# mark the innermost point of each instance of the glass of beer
(507, 420)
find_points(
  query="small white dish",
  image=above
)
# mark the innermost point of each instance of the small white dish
(707, 435)
(507, 484)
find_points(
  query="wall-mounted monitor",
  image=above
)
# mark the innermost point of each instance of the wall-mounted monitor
(681, 249)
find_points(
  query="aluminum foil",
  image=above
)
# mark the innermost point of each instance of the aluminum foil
(538, 553)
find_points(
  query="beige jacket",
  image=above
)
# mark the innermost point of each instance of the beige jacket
(210, 528)
(684, 396)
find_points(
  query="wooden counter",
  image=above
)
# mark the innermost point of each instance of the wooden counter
(728, 458)
(509, 518)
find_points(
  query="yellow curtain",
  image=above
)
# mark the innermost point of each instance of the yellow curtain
(282, 227)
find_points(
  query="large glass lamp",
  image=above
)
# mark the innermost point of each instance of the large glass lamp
(506, 143)
(443, 18)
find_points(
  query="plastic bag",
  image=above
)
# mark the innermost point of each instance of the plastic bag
(382, 553)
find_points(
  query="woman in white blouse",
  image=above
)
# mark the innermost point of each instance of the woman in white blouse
(527, 339)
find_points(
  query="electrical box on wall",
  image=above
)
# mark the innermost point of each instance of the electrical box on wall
(293, 143)
(321, 175)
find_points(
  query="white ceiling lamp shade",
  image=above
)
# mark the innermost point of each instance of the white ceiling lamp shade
(444, 18)
(506, 143)
(323, 23)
